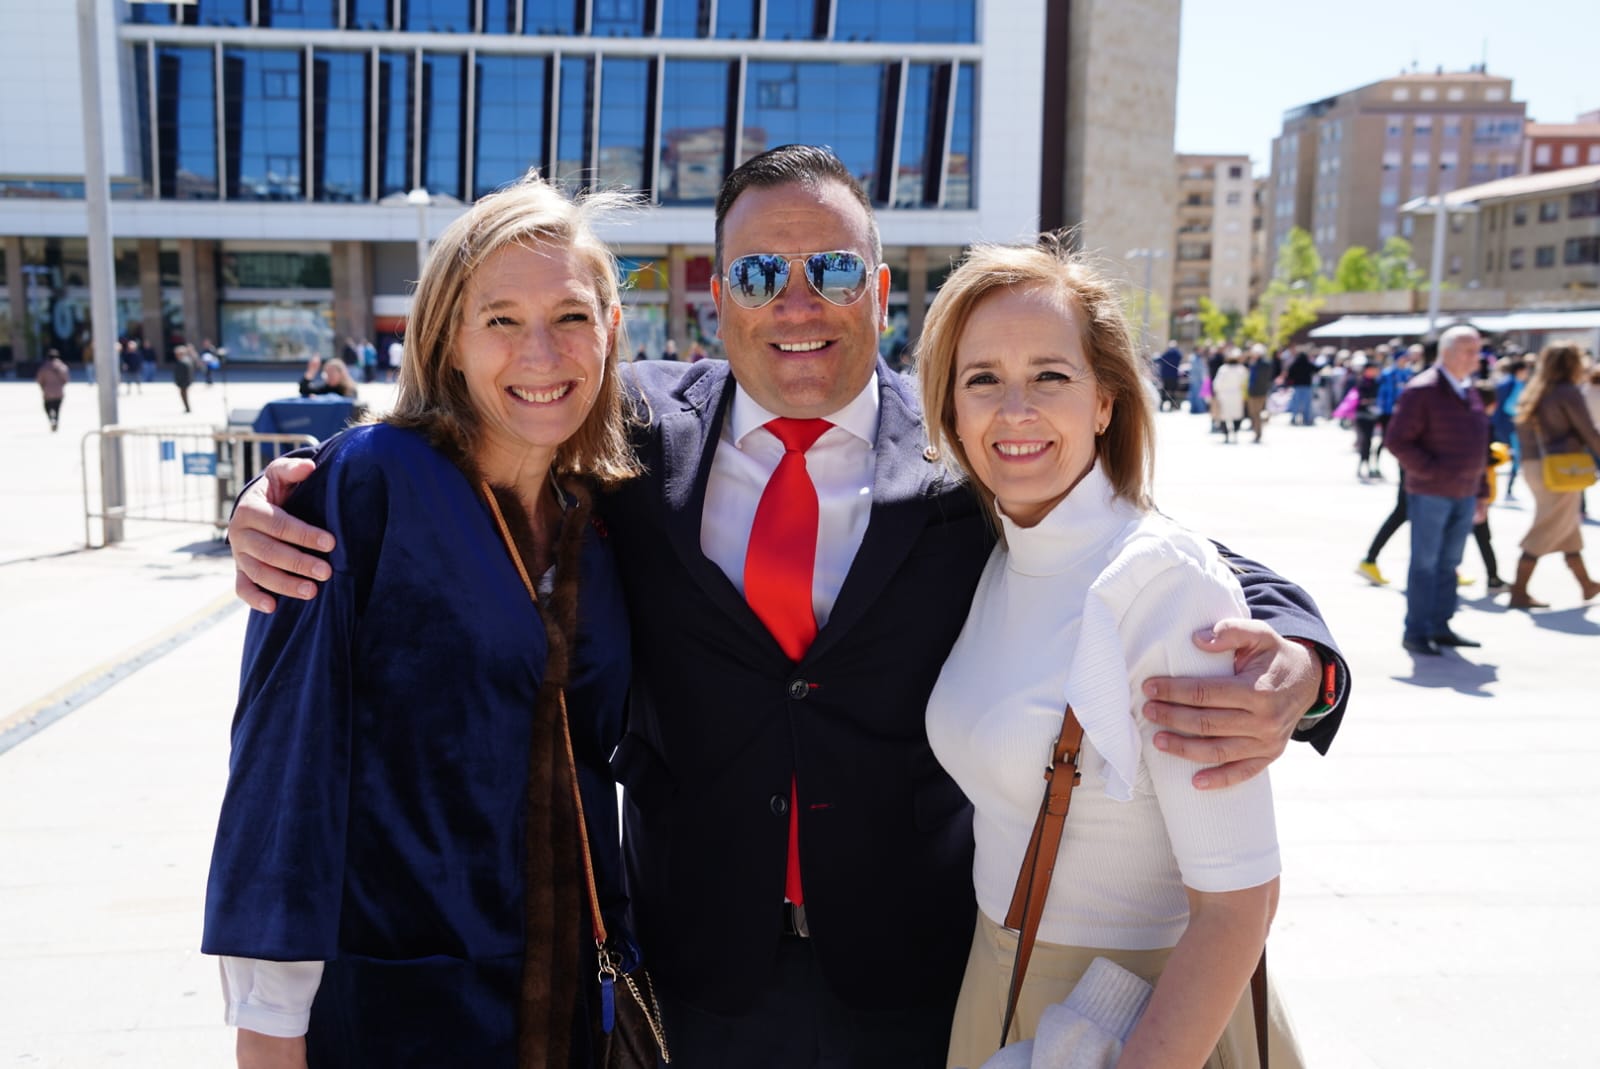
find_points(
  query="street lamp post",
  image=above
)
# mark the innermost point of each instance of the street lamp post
(1441, 220)
(421, 198)
(102, 271)
(1149, 256)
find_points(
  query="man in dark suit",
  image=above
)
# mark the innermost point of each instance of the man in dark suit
(799, 865)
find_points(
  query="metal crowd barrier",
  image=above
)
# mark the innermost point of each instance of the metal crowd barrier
(177, 474)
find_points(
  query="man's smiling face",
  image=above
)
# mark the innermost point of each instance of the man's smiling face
(799, 355)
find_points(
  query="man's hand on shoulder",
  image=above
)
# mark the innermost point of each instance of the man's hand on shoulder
(263, 537)
(1237, 724)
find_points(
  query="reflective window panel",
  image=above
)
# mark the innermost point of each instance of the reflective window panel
(340, 117)
(300, 14)
(736, 19)
(958, 170)
(694, 129)
(436, 16)
(158, 14)
(685, 18)
(510, 120)
(264, 123)
(290, 331)
(544, 17)
(833, 104)
(624, 123)
(444, 124)
(186, 122)
(617, 18)
(572, 133)
(916, 137)
(367, 14)
(141, 108)
(394, 122)
(797, 20)
(223, 12)
(894, 20)
(499, 16)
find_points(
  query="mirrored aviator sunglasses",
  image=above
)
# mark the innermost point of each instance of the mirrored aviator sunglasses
(838, 277)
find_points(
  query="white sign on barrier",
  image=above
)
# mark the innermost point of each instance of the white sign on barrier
(199, 463)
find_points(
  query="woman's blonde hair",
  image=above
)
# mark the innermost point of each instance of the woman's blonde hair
(1558, 362)
(1125, 451)
(433, 397)
(346, 385)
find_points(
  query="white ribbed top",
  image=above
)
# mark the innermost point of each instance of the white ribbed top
(1085, 607)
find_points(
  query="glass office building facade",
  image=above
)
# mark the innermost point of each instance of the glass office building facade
(264, 133)
(661, 96)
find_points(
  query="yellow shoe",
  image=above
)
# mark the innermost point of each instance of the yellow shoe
(1464, 580)
(1368, 570)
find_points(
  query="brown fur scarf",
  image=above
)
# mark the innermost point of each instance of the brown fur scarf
(554, 888)
(554, 896)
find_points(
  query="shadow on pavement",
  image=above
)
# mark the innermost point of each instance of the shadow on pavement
(1453, 672)
(1573, 621)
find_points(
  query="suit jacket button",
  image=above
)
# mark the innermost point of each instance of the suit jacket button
(799, 689)
(780, 805)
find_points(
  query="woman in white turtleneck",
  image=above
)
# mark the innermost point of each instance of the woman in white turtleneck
(1034, 390)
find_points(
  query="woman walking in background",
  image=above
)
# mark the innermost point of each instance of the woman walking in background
(1553, 418)
(1365, 416)
(52, 378)
(1228, 389)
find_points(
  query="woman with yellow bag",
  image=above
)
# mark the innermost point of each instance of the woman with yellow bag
(1558, 440)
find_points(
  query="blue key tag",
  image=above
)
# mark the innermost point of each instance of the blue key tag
(608, 1004)
(608, 990)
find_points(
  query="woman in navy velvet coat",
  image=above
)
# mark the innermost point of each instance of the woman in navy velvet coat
(397, 876)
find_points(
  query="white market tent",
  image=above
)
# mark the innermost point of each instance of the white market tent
(1415, 326)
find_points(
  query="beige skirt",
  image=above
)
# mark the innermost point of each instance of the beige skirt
(1053, 972)
(1557, 523)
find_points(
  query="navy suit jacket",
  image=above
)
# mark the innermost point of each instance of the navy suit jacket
(720, 719)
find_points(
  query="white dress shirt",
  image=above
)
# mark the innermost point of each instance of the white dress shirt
(840, 464)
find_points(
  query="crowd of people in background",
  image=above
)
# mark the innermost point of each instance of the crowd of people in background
(1360, 390)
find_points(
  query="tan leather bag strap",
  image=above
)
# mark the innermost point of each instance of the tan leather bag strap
(595, 915)
(1258, 1006)
(1039, 862)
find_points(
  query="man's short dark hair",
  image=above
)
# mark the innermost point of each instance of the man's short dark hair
(788, 164)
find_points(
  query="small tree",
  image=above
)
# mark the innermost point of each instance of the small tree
(1253, 327)
(1394, 266)
(1357, 271)
(1298, 260)
(1297, 314)
(1215, 324)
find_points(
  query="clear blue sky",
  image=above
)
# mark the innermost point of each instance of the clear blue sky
(1243, 63)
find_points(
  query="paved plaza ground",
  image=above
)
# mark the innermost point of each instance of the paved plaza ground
(1440, 863)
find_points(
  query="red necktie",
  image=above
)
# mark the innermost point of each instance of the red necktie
(778, 566)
